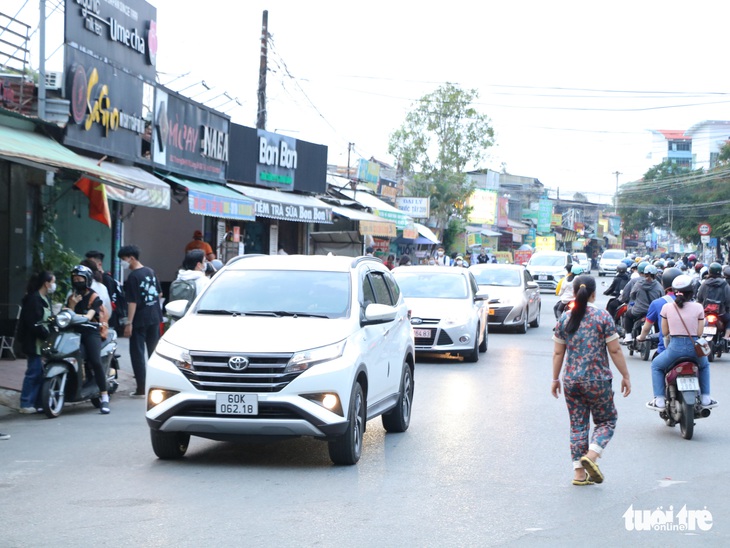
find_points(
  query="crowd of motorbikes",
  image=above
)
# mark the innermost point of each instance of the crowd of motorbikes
(682, 391)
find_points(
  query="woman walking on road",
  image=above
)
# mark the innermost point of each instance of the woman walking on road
(581, 338)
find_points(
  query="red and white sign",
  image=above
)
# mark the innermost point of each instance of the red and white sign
(704, 229)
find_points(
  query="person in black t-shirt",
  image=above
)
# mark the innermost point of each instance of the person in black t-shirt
(85, 301)
(142, 290)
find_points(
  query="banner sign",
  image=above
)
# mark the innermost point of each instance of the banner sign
(484, 207)
(220, 206)
(544, 215)
(189, 138)
(545, 243)
(368, 172)
(106, 107)
(417, 208)
(502, 211)
(121, 33)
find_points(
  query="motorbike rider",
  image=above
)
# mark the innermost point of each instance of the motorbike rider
(716, 289)
(636, 272)
(643, 291)
(681, 343)
(614, 290)
(659, 264)
(565, 289)
(655, 308)
(85, 301)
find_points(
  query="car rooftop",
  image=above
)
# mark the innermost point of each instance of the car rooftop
(328, 263)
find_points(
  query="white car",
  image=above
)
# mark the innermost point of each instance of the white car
(283, 346)
(514, 298)
(547, 268)
(610, 260)
(448, 311)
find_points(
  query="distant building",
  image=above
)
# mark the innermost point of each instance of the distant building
(695, 148)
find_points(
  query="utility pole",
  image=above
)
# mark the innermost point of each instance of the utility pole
(352, 184)
(615, 198)
(41, 63)
(261, 114)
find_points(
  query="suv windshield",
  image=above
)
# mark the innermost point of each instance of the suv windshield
(277, 292)
(547, 260)
(613, 255)
(432, 286)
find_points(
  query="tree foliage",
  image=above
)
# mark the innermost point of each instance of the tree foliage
(440, 137)
(672, 195)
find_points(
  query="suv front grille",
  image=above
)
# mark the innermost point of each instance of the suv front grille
(265, 372)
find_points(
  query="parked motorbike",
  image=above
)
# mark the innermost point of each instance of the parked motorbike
(714, 332)
(682, 393)
(67, 379)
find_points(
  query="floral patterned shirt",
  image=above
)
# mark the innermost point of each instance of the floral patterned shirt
(586, 354)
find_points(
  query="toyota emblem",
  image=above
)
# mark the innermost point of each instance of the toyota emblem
(238, 363)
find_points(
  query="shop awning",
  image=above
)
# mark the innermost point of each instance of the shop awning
(215, 200)
(346, 237)
(369, 224)
(154, 193)
(427, 233)
(286, 206)
(41, 152)
(380, 208)
(611, 239)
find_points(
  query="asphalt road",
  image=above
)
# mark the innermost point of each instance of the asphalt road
(485, 462)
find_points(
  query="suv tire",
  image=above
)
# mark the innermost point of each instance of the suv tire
(169, 445)
(347, 448)
(399, 418)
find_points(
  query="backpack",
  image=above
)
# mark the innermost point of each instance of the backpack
(103, 318)
(183, 290)
(715, 299)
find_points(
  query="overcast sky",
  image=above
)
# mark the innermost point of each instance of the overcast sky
(571, 87)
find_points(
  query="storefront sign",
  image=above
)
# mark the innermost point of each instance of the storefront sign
(377, 228)
(220, 206)
(484, 207)
(293, 212)
(418, 208)
(106, 107)
(277, 160)
(545, 243)
(120, 32)
(368, 172)
(522, 256)
(189, 138)
(544, 215)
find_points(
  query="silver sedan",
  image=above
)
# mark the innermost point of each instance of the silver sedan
(514, 298)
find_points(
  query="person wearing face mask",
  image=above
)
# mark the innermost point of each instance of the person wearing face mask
(191, 279)
(86, 302)
(442, 258)
(36, 307)
(459, 261)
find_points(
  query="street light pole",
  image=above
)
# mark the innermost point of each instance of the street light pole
(615, 197)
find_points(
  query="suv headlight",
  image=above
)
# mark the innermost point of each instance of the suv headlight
(301, 361)
(179, 356)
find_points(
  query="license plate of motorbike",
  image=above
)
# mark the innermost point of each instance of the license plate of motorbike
(687, 383)
(710, 330)
(236, 404)
(422, 333)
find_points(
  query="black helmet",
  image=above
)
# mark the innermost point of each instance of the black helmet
(670, 263)
(669, 275)
(726, 271)
(621, 267)
(715, 269)
(85, 272)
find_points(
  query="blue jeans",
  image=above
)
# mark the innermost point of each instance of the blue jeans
(32, 382)
(679, 347)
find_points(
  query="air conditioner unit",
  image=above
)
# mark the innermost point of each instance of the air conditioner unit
(54, 80)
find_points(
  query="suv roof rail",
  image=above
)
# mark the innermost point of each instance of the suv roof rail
(357, 260)
(241, 257)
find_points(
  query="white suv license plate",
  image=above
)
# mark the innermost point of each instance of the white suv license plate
(542, 277)
(236, 404)
(688, 383)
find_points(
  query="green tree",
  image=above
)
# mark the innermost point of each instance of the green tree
(440, 137)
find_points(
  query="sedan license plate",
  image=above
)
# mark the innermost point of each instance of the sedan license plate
(710, 330)
(236, 404)
(542, 277)
(422, 333)
(687, 383)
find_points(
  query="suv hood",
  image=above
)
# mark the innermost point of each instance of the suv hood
(256, 333)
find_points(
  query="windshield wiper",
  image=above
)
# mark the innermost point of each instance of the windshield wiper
(302, 314)
(220, 312)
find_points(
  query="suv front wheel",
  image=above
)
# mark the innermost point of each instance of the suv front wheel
(169, 445)
(347, 448)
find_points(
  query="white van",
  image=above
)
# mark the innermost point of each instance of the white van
(610, 260)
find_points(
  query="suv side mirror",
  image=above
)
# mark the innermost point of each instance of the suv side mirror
(378, 313)
(176, 309)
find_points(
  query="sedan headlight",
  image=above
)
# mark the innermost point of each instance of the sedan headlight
(301, 361)
(179, 356)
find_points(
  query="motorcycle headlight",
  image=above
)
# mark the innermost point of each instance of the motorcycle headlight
(301, 361)
(179, 356)
(63, 319)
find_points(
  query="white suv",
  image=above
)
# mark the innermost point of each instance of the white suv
(284, 346)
